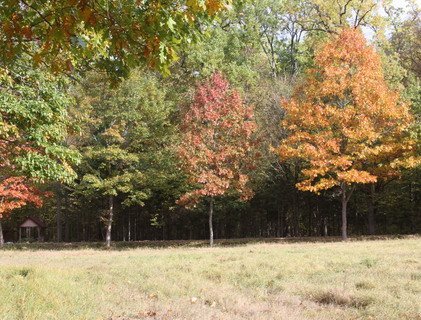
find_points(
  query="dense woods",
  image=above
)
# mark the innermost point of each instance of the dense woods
(128, 121)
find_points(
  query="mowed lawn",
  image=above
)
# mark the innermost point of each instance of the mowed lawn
(355, 280)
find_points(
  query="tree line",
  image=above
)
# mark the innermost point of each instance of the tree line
(209, 119)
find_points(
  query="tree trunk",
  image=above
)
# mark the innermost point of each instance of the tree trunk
(110, 221)
(210, 222)
(310, 216)
(1, 236)
(371, 211)
(414, 211)
(58, 213)
(344, 203)
(135, 228)
(129, 235)
(278, 225)
(66, 219)
(296, 217)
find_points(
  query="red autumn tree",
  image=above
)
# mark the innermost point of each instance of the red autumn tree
(15, 192)
(217, 144)
(344, 122)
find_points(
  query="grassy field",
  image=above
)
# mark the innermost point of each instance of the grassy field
(356, 280)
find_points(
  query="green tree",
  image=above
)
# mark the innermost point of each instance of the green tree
(33, 128)
(126, 135)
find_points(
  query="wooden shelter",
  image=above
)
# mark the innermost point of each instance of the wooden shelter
(29, 224)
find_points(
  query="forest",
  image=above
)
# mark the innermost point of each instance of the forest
(181, 120)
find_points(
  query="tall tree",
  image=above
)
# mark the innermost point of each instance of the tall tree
(405, 38)
(279, 28)
(345, 122)
(217, 144)
(126, 139)
(332, 15)
(33, 126)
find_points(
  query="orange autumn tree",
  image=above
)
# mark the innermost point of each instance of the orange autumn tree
(344, 122)
(15, 192)
(217, 145)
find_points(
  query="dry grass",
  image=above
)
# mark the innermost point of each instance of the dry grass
(357, 280)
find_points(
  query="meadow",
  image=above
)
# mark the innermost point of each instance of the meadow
(365, 279)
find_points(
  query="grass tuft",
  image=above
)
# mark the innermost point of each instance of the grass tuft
(340, 298)
(365, 285)
(369, 263)
(24, 272)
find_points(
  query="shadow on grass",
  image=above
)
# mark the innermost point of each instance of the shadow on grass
(126, 245)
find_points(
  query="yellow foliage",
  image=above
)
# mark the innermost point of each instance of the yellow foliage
(344, 121)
